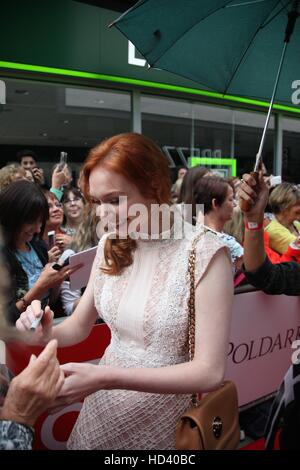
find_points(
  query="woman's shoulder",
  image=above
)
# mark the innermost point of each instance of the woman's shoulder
(207, 237)
(207, 244)
(274, 227)
(207, 241)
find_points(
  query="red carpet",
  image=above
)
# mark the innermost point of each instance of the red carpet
(260, 444)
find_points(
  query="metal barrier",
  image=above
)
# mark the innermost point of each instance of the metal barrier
(260, 349)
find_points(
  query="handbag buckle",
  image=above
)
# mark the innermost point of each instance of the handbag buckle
(217, 427)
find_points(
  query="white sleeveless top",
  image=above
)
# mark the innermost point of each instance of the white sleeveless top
(146, 309)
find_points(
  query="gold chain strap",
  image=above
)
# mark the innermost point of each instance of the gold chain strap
(191, 305)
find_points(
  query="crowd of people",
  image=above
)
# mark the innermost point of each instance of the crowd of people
(138, 284)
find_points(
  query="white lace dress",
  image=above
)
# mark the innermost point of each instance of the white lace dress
(146, 310)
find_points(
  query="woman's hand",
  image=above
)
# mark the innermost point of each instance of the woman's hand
(63, 240)
(43, 332)
(59, 177)
(81, 379)
(54, 254)
(255, 193)
(34, 389)
(50, 277)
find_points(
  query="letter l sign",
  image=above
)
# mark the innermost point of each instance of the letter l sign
(131, 56)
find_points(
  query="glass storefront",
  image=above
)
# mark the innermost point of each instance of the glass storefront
(50, 117)
(185, 129)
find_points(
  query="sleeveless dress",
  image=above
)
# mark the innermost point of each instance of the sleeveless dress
(146, 309)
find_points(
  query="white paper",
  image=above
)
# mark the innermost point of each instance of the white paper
(80, 277)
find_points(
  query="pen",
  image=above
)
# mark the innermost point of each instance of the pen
(36, 308)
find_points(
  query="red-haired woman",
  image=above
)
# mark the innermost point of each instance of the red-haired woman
(140, 287)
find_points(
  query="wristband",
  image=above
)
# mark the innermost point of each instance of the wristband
(253, 226)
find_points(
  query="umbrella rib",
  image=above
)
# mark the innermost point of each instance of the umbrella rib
(245, 3)
(187, 31)
(245, 52)
(113, 23)
(284, 7)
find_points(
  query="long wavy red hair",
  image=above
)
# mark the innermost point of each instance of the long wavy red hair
(142, 163)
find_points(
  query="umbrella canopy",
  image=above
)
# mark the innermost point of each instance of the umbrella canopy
(233, 47)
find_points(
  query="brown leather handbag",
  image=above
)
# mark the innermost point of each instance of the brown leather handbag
(213, 422)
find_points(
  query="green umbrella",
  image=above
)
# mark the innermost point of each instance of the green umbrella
(233, 47)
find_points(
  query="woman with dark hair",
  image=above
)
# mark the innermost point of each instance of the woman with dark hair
(139, 285)
(217, 197)
(23, 215)
(24, 398)
(186, 195)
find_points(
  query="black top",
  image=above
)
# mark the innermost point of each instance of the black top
(275, 279)
(18, 277)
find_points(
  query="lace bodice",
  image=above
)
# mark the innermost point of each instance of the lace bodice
(146, 309)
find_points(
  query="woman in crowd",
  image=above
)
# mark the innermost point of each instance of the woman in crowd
(186, 196)
(59, 180)
(285, 227)
(73, 204)
(139, 285)
(235, 227)
(11, 173)
(23, 213)
(54, 224)
(29, 394)
(217, 196)
(89, 231)
(87, 236)
(64, 237)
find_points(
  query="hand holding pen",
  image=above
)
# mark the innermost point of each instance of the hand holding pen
(38, 321)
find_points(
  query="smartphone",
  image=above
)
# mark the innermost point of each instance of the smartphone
(51, 239)
(58, 266)
(63, 160)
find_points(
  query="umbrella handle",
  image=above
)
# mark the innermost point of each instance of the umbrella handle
(246, 206)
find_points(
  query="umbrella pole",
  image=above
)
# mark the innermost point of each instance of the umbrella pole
(292, 18)
(263, 138)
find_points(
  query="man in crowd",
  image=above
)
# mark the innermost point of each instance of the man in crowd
(28, 160)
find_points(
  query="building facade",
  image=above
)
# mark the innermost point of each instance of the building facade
(68, 81)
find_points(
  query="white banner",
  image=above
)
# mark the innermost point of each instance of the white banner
(2, 92)
(260, 350)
